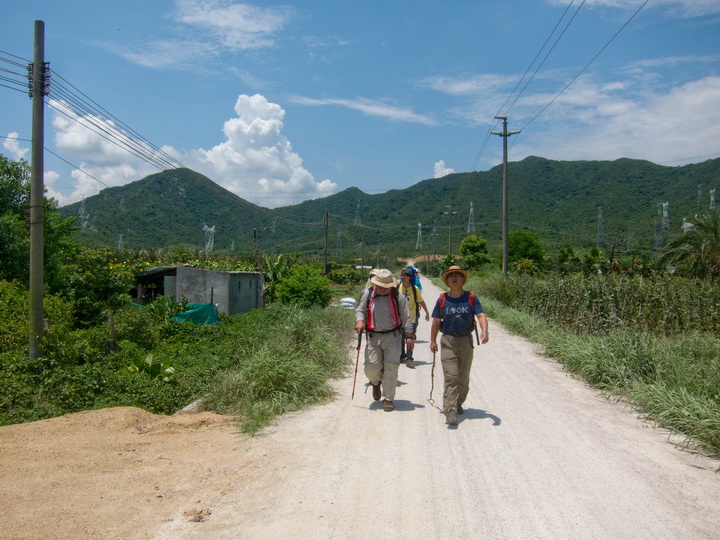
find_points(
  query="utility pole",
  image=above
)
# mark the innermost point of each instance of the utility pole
(505, 134)
(257, 253)
(40, 80)
(326, 222)
(434, 238)
(449, 214)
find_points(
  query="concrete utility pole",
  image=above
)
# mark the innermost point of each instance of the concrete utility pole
(449, 214)
(505, 134)
(37, 217)
(326, 223)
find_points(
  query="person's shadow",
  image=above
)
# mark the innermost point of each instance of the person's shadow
(478, 414)
(399, 405)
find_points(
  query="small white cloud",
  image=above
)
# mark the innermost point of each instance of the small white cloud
(441, 170)
(370, 107)
(12, 145)
(166, 52)
(234, 25)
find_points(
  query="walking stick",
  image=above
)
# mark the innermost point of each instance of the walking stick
(432, 382)
(357, 360)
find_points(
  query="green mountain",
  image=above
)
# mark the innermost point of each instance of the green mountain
(564, 202)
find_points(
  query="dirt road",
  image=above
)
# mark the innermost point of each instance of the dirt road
(537, 455)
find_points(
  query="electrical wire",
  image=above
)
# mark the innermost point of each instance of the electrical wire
(605, 46)
(493, 124)
(586, 65)
(547, 55)
(91, 105)
(19, 79)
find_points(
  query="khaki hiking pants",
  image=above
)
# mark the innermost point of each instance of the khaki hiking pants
(382, 360)
(456, 356)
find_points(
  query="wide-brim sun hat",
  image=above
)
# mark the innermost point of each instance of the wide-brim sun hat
(453, 270)
(383, 278)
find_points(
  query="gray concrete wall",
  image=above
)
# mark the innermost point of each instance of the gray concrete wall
(233, 292)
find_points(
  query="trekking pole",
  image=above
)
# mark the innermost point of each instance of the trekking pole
(357, 360)
(432, 382)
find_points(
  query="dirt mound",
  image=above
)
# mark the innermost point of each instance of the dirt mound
(75, 476)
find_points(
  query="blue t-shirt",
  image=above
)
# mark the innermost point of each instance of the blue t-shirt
(457, 314)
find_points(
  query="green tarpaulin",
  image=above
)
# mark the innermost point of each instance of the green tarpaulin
(199, 314)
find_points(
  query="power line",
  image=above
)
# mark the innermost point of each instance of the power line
(92, 105)
(548, 53)
(602, 49)
(487, 135)
(586, 65)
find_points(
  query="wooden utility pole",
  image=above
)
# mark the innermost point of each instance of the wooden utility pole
(505, 134)
(37, 188)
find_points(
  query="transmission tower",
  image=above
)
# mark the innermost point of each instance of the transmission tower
(601, 229)
(712, 199)
(658, 239)
(357, 213)
(665, 215)
(418, 242)
(120, 242)
(699, 203)
(471, 221)
(209, 238)
(337, 247)
(84, 217)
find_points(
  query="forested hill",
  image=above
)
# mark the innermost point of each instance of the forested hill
(565, 202)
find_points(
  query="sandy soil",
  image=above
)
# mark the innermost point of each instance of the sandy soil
(536, 455)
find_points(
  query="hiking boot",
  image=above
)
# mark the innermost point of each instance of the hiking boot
(460, 409)
(451, 419)
(377, 393)
(410, 363)
(387, 405)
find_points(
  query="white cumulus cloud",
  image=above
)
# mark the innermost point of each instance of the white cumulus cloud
(256, 161)
(441, 170)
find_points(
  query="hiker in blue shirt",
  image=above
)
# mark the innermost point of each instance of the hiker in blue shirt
(454, 315)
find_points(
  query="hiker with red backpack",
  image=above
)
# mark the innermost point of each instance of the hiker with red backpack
(384, 315)
(411, 291)
(454, 315)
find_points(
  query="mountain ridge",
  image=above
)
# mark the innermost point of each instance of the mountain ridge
(564, 202)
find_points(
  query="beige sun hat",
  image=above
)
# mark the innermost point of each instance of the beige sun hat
(383, 278)
(453, 270)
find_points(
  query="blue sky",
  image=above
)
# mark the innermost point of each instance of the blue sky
(282, 102)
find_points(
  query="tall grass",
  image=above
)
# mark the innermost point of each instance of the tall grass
(287, 357)
(661, 305)
(673, 380)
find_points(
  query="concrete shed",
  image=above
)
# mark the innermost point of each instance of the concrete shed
(233, 292)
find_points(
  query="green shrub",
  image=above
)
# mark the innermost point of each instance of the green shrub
(95, 284)
(305, 287)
